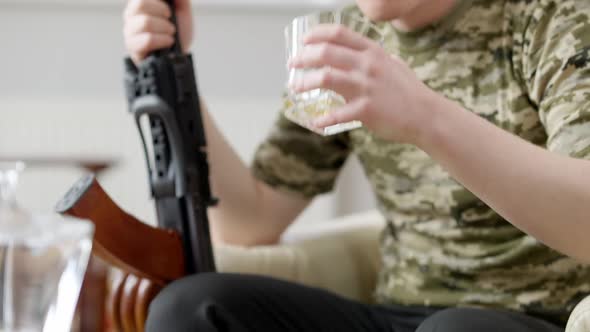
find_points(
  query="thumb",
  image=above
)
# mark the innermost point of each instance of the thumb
(184, 21)
(182, 5)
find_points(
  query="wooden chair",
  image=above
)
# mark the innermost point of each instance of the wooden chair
(149, 257)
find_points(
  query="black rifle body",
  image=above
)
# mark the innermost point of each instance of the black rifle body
(163, 88)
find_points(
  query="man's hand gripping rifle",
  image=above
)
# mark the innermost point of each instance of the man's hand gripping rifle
(163, 98)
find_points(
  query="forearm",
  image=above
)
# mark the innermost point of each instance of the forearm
(250, 212)
(246, 214)
(542, 193)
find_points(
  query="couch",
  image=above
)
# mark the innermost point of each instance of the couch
(306, 256)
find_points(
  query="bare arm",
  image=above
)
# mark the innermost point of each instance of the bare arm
(250, 212)
(544, 194)
(541, 192)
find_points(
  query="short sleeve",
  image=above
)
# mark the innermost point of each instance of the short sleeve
(297, 160)
(556, 69)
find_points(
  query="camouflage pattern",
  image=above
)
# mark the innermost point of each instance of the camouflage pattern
(522, 65)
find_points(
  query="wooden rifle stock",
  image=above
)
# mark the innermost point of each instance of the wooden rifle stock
(122, 240)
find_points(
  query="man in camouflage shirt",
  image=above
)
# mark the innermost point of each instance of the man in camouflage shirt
(447, 181)
(445, 246)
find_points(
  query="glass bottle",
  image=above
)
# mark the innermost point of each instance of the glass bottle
(42, 263)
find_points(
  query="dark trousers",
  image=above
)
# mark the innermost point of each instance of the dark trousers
(243, 303)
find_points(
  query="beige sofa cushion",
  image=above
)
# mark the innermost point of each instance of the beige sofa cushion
(341, 256)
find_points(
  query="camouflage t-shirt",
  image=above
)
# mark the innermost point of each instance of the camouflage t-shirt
(522, 65)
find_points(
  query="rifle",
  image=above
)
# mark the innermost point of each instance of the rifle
(164, 100)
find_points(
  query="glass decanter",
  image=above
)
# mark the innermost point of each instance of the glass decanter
(42, 263)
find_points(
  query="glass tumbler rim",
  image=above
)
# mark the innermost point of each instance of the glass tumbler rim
(370, 28)
(354, 16)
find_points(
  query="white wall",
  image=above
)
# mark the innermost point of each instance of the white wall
(61, 93)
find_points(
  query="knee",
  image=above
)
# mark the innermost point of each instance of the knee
(457, 320)
(179, 303)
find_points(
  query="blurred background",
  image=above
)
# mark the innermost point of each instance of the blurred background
(61, 93)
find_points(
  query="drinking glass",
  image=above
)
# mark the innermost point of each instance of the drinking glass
(42, 263)
(305, 107)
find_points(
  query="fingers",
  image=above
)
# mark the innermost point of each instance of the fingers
(182, 4)
(156, 8)
(347, 84)
(324, 54)
(147, 27)
(349, 112)
(139, 46)
(339, 35)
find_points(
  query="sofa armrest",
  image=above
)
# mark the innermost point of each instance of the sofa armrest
(579, 320)
(340, 255)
